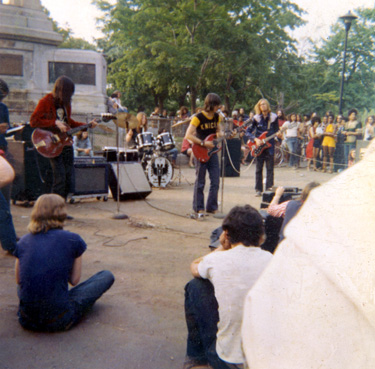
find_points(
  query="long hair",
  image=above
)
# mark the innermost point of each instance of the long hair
(211, 101)
(257, 106)
(63, 90)
(49, 212)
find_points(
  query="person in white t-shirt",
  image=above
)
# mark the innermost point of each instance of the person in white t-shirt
(222, 281)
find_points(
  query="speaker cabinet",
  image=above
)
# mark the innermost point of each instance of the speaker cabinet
(232, 164)
(132, 181)
(90, 179)
(33, 172)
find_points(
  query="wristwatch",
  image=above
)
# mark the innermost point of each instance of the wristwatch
(202, 143)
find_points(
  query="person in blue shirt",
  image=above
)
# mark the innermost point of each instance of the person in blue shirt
(48, 260)
(263, 121)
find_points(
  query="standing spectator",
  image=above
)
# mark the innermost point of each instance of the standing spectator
(8, 238)
(329, 143)
(339, 155)
(291, 136)
(316, 132)
(281, 117)
(368, 133)
(263, 121)
(353, 130)
(184, 113)
(156, 113)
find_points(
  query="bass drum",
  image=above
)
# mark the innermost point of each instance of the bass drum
(159, 171)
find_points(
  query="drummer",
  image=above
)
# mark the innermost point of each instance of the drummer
(133, 132)
(172, 153)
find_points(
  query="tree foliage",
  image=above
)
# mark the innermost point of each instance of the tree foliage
(180, 50)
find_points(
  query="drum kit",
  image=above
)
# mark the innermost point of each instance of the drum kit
(154, 160)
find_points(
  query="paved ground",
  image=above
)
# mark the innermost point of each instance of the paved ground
(139, 323)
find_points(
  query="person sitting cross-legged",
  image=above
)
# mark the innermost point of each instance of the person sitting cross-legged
(222, 281)
(48, 258)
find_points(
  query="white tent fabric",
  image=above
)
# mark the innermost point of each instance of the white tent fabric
(314, 305)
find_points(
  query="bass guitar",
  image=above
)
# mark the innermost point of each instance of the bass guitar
(203, 154)
(256, 150)
(50, 142)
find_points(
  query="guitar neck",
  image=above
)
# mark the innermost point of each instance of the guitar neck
(77, 129)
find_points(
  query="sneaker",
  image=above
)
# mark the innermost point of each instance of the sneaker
(258, 194)
(69, 217)
(270, 189)
(191, 363)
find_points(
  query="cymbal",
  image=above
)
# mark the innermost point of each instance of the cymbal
(105, 128)
(122, 118)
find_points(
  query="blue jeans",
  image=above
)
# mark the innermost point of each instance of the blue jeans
(212, 166)
(202, 316)
(81, 299)
(7, 232)
(267, 156)
(292, 143)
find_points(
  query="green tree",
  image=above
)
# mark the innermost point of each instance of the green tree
(180, 50)
(359, 87)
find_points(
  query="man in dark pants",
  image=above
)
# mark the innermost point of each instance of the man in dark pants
(263, 121)
(222, 281)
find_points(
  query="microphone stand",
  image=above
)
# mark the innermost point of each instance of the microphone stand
(118, 215)
(221, 215)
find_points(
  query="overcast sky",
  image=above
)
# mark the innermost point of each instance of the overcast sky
(80, 16)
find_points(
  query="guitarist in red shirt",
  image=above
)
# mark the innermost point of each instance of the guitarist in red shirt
(53, 112)
(263, 121)
(201, 126)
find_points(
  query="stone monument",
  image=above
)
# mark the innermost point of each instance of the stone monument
(30, 62)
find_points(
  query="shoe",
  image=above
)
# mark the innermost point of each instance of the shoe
(258, 194)
(211, 211)
(191, 363)
(270, 189)
(69, 217)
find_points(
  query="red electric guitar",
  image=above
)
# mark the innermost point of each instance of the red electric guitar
(257, 150)
(50, 142)
(203, 154)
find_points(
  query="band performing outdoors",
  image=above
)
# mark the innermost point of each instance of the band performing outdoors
(285, 222)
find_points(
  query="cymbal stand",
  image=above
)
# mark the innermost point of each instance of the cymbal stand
(118, 215)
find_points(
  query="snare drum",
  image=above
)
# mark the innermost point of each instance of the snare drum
(165, 141)
(145, 141)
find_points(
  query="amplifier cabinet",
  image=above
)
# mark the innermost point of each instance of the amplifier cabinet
(91, 179)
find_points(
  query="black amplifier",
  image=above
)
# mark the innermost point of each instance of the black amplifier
(89, 160)
(290, 193)
(110, 154)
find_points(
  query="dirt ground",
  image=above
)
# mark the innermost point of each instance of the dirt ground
(139, 323)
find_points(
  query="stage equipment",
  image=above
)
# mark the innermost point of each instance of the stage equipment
(128, 181)
(118, 215)
(290, 193)
(159, 171)
(232, 158)
(91, 178)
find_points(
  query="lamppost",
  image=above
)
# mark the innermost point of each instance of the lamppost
(347, 19)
